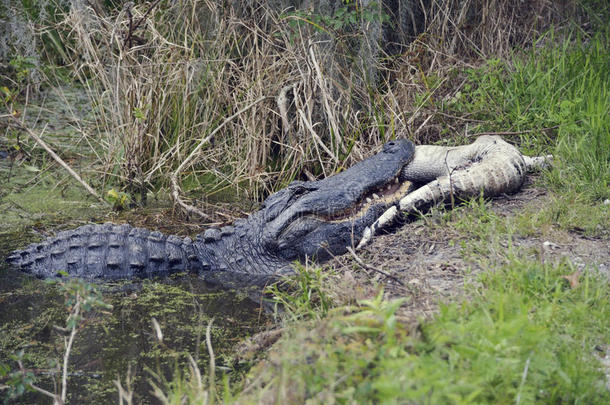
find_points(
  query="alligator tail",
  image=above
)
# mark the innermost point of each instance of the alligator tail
(108, 251)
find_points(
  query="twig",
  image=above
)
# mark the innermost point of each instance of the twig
(462, 118)
(98, 14)
(282, 104)
(60, 399)
(68, 343)
(372, 268)
(325, 98)
(175, 194)
(59, 160)
(423, 124)
(450, 172)
(56, 400)
(523, 377)
(130, 32)
(125, 393)
(137, 25)
(212, 373)
(317, 138)
(133, 27)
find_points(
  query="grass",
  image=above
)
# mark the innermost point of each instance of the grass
(553, 98)
(304, 296)
(526, 334)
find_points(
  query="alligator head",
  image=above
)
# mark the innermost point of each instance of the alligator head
(306, 220)
(319, 219)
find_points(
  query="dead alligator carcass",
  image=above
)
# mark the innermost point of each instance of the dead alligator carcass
(488, 166)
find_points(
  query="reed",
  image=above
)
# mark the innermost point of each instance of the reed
(162, 76)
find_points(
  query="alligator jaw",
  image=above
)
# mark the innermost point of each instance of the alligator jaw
(386, 195)
(339, 193)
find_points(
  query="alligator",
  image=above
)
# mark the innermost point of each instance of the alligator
(306, 220)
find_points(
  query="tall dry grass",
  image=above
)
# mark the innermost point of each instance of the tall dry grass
(163, 75)
(160, 88)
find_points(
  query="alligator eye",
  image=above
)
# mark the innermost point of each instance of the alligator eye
(402, 147)
(390, 147)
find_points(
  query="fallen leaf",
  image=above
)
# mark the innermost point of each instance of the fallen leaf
(32, 169)
(573, 279)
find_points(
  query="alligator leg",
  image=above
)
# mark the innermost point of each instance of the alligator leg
(489, 165)
(109, 251)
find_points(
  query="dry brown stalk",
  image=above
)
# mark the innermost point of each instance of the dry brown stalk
(212, 368)
(326, 100)
(282, 105)
(316, 138)
(175, 193)
(56, 157)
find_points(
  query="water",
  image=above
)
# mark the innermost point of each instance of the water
(111, 341)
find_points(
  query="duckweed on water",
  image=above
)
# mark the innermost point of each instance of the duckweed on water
(113, 341)
(35, 198)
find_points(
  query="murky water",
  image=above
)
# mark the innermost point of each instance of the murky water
(110, 342)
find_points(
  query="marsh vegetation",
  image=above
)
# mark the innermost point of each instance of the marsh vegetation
(183, 114)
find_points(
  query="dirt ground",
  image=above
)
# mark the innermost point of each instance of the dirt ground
(426, 264)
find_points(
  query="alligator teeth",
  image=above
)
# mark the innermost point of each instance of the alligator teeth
(389, 186)
(375, 196)
(396, 180)
(368, 200)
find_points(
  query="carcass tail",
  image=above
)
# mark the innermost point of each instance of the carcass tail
(107, 251)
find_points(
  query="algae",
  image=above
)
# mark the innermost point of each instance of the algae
(111, 342)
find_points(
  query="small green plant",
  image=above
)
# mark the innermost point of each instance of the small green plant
(375, 316)
(304, 295)
(119, 200)
(22, 67)
(348, 15)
